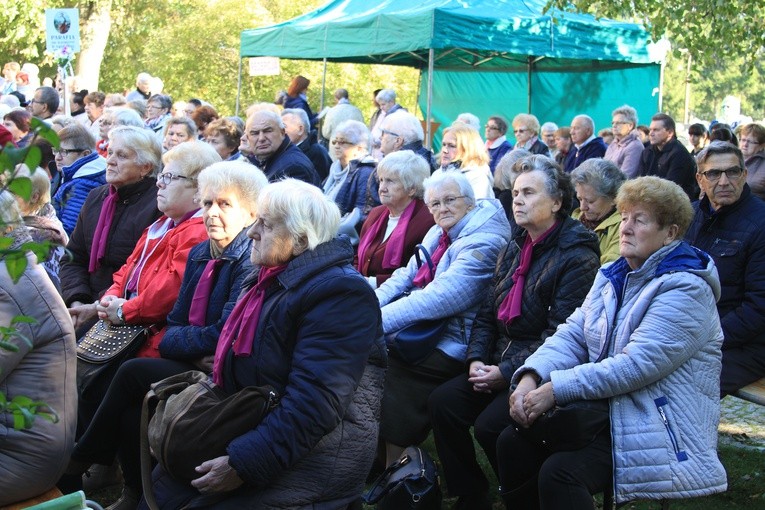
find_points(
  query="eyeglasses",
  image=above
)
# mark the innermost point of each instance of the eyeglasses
(618, 123)
(36, 101)
(66, 152)
(435, 205)
(153, 107)
(391, 133)
(732, 173)
(341, 142)
(491, 128)
(166, 177)
(520, 130)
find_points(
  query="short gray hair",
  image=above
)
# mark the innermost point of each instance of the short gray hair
(557, 182)
(506, 171)
(309, 215)
(601, 175)
(549, 126)
(408, 167)
(144, 142)
(163, 100)
(719, 147)
(387, 95)
(356, 132)
(629, 113)
(126, 117)
(527, 120)
(469, 119)
(587, 121)
(244, 179)
(267, 114)
(405, 125)
(191, 127)
(440, 179)
(194, 156)
(302, 117)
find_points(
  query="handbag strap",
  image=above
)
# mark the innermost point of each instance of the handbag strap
(148, 492)
(421, 248)
(380, 487)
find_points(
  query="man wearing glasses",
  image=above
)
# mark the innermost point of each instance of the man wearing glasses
(44, 103)
(729, 224)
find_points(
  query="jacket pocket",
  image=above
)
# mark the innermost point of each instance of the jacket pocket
(662, 405)
(725, 248)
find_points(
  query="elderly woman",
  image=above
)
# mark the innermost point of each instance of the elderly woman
(463, 150)
(349, 174)
(111, 221)
(496, 141)
(596, 182)
(626, 148)
(211, 284)
(647, 340)
(315, 448)
(111, 119)
(453, 292)
(17, 122)
(41, 366)
(393, 230)
(178, 130)
(539, 280)
(526, 130)
(752, 145)
(158, 112)
(223, 135)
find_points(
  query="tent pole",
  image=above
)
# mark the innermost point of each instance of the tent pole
(431, 55)
(238, 88)
(323, 84)
(528, 79)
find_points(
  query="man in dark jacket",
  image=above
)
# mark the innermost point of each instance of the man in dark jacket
(273, 152)
(667, 158)
(403, 132)
(586, 144)
(729, 224)
(298, 127)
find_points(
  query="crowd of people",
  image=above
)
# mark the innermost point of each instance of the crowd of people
(282, 249)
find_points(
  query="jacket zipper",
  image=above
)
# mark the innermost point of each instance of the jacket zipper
(661, 402)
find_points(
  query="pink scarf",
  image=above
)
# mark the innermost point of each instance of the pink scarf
(424, 275)
(105, 218)
(394, 249)
(510, 308)
(239, 330)
(198, 309)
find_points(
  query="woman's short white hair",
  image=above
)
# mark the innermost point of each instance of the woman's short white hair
(126, 117)
(310, 216)
(356, 132)
(193, 156)
(246, 180)
(408, 167)
(144, 142)
(440, 179)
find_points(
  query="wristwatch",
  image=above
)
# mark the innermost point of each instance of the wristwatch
(120, 314)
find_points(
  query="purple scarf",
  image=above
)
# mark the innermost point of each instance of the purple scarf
(394, 249)
(239, 330)
(510, 308)
(105, 218)
(198, 309)
(424, 275)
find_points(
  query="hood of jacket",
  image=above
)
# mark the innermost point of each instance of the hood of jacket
(488, 215)
(91, 164)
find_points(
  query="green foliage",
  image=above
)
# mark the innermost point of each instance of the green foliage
(25, 411)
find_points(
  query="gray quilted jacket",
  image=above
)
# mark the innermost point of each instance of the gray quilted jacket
(660, 368)
(463, 276)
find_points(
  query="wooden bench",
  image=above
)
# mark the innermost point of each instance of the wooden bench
(754, 392)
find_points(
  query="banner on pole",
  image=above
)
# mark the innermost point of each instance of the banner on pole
(62, 29)
(264, 66)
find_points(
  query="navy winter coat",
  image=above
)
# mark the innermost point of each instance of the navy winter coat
(288, 161)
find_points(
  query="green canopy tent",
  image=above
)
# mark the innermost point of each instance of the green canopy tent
(482, 56)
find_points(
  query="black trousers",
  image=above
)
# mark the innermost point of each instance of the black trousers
(454, 408)
(741, 366)
(532, 478)
(115, 430)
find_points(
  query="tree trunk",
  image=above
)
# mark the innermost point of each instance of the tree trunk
(95, 23)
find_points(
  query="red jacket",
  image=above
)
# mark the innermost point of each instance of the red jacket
(160, 279)
(419, 225)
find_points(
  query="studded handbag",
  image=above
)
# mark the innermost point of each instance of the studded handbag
(102, 350)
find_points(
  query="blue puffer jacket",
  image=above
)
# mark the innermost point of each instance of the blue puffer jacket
(463, 277)
(185, 342)
(319, 344)
(78, 179)
(658, 336)
(353, 193)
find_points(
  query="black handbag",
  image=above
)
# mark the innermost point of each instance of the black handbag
(411, 482)
(102, 350)
(569, 427)
(415, 342)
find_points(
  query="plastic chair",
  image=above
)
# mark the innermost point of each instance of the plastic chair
(73, 501)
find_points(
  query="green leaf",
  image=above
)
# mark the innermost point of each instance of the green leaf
(23, 319)
(34, 156)
(15, 155)
(43, 130)
(8, 346)
(40, 249)
(21, 186)
(16, 264)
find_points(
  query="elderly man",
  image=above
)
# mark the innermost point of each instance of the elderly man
(386, 99)
(586, 144)
(403, 132)
(142, 88)
(729, 224)
(298, 128)
(666, 157)
(547, 133)
(342, 111)
(271, 150)
(44, 103)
